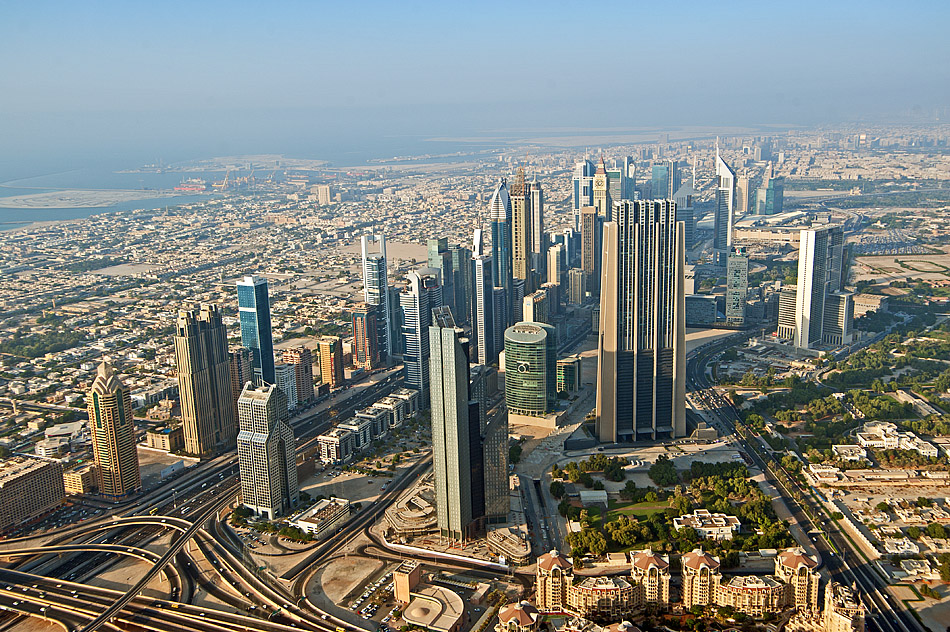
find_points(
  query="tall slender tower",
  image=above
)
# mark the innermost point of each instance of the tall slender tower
(462, 271)
(724, 211)
(521, 237)
(737, 286)
(441, 259)
(365, 336)
(266, 457)
(536, 194)
(113, 435)
(256, 336)
(241, 368)
(823, 311)
(602, 201)
(483, 319)
(641, 353)
(376, 290)
(591, 236)
(582, 191)
(301, 358)
(330, 349)
(419, 297)
(453, 418)
(500, 211)
(204, 382)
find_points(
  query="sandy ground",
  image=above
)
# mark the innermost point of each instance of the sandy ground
(32, 624)
(340, 577)
(80, 198)
(884, 268)
(934, 614)
(128, 571)
(152, 462)
(126, 269)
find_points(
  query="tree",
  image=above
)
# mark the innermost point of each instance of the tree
(514, 454)
(557, 489)
(913, 532)
(882, 506)
(936, 530)
(663, 472)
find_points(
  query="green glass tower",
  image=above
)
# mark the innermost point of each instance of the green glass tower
(530, 369)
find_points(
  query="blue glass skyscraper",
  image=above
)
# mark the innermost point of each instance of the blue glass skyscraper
(256, 335)
(500, 210)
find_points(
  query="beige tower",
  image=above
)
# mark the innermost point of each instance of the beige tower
(302, 361)
(521, 237)
(113, 435)
(602, 200)
(798, 569)
(651, 573)
(591, 227)
(701, 578)
(331, 361)
(204, 382)
(554, 577)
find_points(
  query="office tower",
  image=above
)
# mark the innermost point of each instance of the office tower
(521, 227)
(256, 336)
(453, 418)
(641, 356)
(113, 435)
(582, 191)
(538, 241)
(786, 313)
(301, 359)
(441, 259)
(820, 276)
(499, 309)
(685, 213)
(266, 458)
(554, 299)
(462, 274)
(330, 349)
(602, 200)
(29, 488)
(376, 291)
(557, 264)
(419, 297)
(500, 212)
(666, 180)
(701, 578)
(205, 391)
(569, 374)
(286, 380)
(535, 308)
(770, 196)
(530, 369)
(743, 191)
(323, 194)
(577, 286)
(591, 236)
(620, 179)
(737, 286)
(517, 295)
(724, 210)
(241, 369)
(365, 336)
(483, 319)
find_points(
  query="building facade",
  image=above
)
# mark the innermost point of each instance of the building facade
(701, 578)
(650, 574)
(724, 210)
(553, 578)
(376, 290)
(256, 333)
(530, 369)
(29, 488)
(366, 336)
(301, 358)
(113, 435)
(737, 286)
(330, 351)
(421, 294)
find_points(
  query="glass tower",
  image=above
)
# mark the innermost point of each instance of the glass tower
(256, 336)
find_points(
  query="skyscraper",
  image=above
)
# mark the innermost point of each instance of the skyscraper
(286, 380)
(241, 368)
(530, 369)
(330, 349)
(266, 452)
(462, 273)
(521, 227)
(204, 382)
(724, 211)
(256, 336)
(535, 309)
(500, 212)
(376, 290)
(737, 286)
(769, 198)
(441, 259)
(666, 179)
(365, 336)
(483, 319)
(301, 359)
(641, 355)
(453, 417)
(602, 201)
(684, 212)
(556, 264)
(618, 187)
(582, 191)
(421, 294)
(822, 312)
(499, 309)
(591, 235)
(577, 286)
(538, 240)
(742, 193)
(113, 435)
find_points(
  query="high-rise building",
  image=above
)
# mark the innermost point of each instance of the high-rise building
(113, 435)
(241, 369)
(724, 210)
(582, 191)
(521, 231)
(330, 350)
(301, 358)
(685, 212)
(553, 579)
(517, 295)
(462, 274)
(619, 179)
(743, 192)
(650, 574)
(819, 298)
(530, 369)
(500, 213)
(266, 457)
(576, 286)
(285, 377)
(29, 488)
(591, 235)
(538, 240)
(376, 291)
(441, 259)
(421, 294)
(365, 336)
(499, 309)
(204, 382)
(769, 198)
(483, 319)
(666, 179)
(535, 309)
(557, 264)
(602, 201)
(737, 286)
(787, 299)
(256, 335)
(569, 374)
(455, 419)
(798, 569)
(641, 358)
(701, 578)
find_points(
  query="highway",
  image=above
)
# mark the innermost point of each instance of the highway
(885, 613)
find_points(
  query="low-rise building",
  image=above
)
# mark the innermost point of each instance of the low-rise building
(336, 446)
(81, 480)
(701, 578)
(709, 525)
(885, 436)
(324, 518)
(168, 439)
(606, 598)
(650, 573)
(849, 452)
(518, 617)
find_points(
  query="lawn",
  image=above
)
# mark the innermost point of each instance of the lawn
(615, 509)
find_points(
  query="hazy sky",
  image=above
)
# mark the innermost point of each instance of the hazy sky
(224, 75)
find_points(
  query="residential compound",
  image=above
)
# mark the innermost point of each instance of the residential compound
(883, 435)
(353, 436)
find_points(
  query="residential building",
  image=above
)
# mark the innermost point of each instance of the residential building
(204, 382)
(336, 446)
(366, 336)
(256, 334)
(798, 570)
(421, 294)
(641, 357)
(113, 435)
(522, 239)
(483, 318)
(301, 359)
(603, 598)
(577, 286)
(701, 578)
(743, 191)
(591, 236)
(752, 595)
(650, 574)
(29, 488)
(266, 452)
(83, 479)
(441, 259)
(518, 617)
(557, 264)
(553, 578)
(285, 377)
(530, 369)
(462, 273)
(713, 526)
(843, 611)
(330, 352)
(376, 291)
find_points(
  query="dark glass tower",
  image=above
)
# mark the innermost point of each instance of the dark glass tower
(256, 336)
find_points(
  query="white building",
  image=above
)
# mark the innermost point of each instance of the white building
(885, 436)
(709, 525)
(336, 446)
(324, 518)
(285, 375)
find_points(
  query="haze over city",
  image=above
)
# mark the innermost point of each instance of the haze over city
(493, 317)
